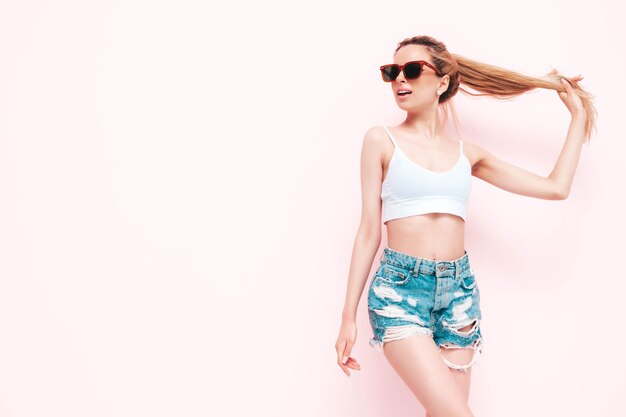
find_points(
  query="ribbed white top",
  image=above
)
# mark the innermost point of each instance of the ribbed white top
(410, 189)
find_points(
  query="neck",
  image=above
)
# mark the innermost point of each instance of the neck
(424, 124)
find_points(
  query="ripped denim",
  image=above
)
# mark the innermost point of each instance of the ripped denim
(410, 296)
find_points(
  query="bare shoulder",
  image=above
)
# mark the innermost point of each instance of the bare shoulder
(376, 141)
(474, 152)
(376, 135)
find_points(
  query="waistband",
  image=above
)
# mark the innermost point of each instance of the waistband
(452, 268)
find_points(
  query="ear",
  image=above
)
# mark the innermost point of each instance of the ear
(444, 83)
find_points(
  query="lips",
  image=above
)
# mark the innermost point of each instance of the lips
(403, 92)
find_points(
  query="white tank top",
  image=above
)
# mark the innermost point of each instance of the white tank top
(409, 189)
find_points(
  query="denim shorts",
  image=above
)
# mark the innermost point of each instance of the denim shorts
(410, 295)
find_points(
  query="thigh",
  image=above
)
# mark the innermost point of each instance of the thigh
(418, 362)
(460, 356)
(457, 329)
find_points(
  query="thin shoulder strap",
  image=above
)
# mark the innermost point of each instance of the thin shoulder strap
(391, 136)
(461, 146)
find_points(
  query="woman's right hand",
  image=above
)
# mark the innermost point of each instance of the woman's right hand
(345, 341)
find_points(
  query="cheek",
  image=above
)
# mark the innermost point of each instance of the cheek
(424, 90)
(420, 96)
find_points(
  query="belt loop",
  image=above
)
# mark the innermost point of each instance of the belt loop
(416, 268)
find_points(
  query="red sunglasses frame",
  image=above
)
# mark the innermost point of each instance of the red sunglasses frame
(401, 69)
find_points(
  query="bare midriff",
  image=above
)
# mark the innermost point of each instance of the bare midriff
(439, 236)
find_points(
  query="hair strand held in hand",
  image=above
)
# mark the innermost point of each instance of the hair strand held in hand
(494, 81)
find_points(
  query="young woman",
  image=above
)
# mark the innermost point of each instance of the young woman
(424, 299)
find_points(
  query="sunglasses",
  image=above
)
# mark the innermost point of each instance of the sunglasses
(412, 70)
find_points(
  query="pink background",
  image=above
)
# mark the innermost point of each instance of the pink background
(179, 196)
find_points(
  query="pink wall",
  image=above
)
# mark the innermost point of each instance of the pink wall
(179, 194)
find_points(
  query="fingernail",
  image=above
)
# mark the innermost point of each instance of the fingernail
(345, 359)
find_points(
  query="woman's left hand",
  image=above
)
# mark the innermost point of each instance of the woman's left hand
(569, 97)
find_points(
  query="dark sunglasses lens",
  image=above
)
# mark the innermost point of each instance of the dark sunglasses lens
(390, 73)
(412, 71)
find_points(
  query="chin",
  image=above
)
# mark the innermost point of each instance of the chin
(406, 106)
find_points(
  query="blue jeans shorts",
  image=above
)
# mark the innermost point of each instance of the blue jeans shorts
(409, 295)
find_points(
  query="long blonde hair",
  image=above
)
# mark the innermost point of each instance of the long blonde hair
(493, 81)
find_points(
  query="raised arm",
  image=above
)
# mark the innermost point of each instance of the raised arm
(555, 186)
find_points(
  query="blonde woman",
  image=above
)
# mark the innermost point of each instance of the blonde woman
(424, 299)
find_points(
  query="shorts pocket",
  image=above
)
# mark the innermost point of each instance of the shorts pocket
(468, 279)
(394, 275)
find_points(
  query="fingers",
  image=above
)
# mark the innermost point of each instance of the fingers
(350, 363)
(341, 347)
(343, 352)
(576, 78)
(344, 360)
(346, 354)
(341, 355)
(353, 364)
(344, 368)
